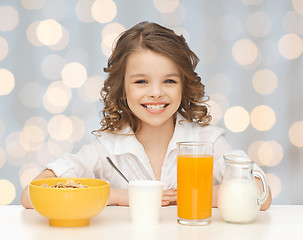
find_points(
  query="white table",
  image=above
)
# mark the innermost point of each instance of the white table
(279, 222)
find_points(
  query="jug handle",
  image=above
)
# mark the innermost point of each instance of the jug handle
(262, 177)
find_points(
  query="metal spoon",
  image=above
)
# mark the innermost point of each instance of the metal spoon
(117, 169)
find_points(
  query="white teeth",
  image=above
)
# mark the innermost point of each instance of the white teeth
(155, 107)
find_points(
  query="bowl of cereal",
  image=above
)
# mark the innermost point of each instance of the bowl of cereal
(69, 202)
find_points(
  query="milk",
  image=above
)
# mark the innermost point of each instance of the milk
(237, 200)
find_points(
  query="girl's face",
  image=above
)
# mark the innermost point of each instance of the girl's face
(153, 87)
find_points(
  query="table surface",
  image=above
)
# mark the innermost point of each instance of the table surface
(278, 222)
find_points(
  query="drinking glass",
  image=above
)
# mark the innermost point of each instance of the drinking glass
(194, 182)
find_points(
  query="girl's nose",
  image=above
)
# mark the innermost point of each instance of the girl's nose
(155, 91)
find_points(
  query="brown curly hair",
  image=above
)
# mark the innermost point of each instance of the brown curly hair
(152, 36)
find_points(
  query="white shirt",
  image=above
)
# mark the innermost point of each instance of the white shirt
(129, 156)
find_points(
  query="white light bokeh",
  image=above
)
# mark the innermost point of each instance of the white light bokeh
(9, 18)
(253, 150)
(215, 111)
(218, 105)
(44, 156)
(60, 127)
(290, 46)
(31, 95)
(63, 42)
(275, 184)
(9, 189)
(109, 34)
(236, 119)
(7, 82)
(39, 122)
(295, 134)
(265, 81)
(28, 172)
(58, 148)
(177, 17)
(111, 31)
(106, 50)
(57, 97)
(33, 4)
(74, 75)
(107, 44)
(83, 10)
(90, 91)
(262, 118)
(104, 11)
(14, 148)
(270, 153)
(166, 6)
(298, 6)
(52, 66)
(245, 51)
(79, 129)
(259, 24)
(31, 34)
(32, 137)
(3, 48)
(49, 32)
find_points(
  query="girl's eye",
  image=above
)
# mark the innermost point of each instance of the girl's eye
(170, 81)
(141, 81)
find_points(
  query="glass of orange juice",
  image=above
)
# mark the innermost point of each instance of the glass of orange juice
(194, 182)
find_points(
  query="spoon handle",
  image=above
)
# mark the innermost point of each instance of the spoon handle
(117, 169)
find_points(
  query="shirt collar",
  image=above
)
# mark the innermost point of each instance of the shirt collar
(126, 142)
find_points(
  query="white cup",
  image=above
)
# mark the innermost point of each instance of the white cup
(145, 199)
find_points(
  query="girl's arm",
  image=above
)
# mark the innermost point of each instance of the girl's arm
(25, 201)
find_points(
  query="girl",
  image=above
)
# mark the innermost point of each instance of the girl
(152, 98)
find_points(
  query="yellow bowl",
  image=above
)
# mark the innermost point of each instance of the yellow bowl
(69, 207)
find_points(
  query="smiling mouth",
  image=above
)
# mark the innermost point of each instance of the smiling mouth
(155, 107)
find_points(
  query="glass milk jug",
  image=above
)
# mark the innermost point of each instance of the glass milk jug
(239, 198)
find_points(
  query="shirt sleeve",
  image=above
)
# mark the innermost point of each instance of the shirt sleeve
(89, 162)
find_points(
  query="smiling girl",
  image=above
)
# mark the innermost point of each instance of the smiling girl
(152, 99)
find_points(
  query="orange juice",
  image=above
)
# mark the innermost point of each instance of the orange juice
(195, 181)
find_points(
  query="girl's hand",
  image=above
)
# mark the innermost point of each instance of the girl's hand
(169, 197)
(118, 197)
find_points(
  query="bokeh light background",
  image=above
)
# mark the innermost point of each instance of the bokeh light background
(52, 54)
